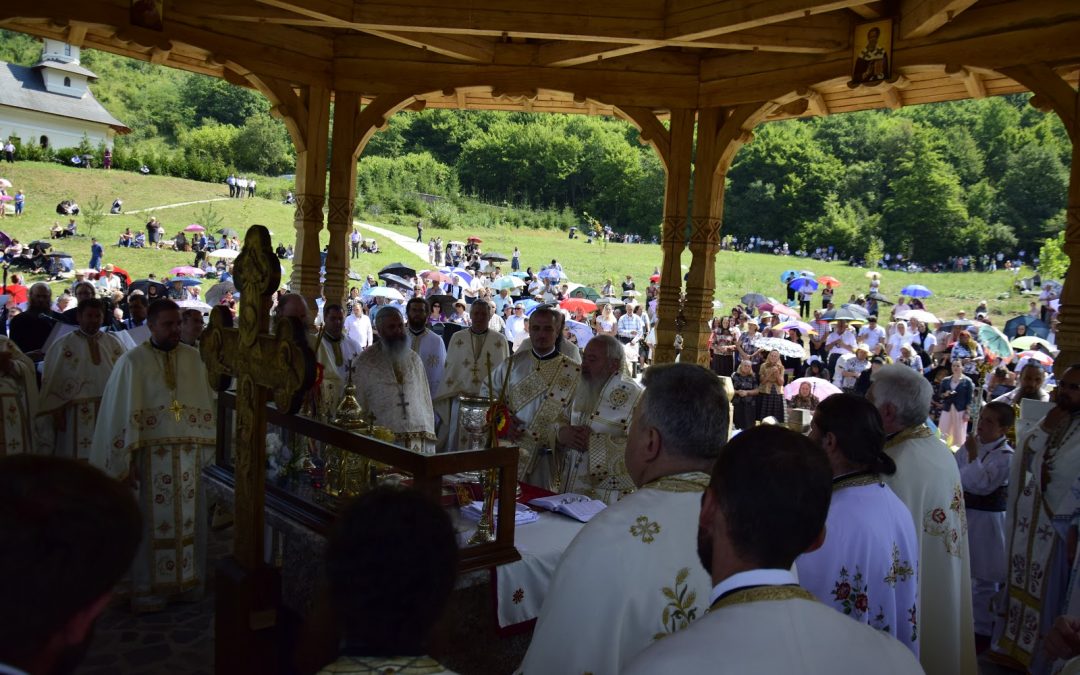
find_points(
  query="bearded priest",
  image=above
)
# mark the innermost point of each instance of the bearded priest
(77, 367)
(429, 346)
(539, 385)
(466, 370)
(599, 420)
(157, 432)
(392, 385)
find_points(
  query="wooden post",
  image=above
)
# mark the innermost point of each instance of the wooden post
(1055, 93)
(673, 234)
(281, 366)
(342, 201)
(310, 193)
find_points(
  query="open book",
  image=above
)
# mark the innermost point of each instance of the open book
(578, 507)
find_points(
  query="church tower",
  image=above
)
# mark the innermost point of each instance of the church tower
(61, 71)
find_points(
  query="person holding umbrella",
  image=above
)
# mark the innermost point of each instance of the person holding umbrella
(771, 388)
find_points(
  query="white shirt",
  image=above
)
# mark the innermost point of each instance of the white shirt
(768, 577)
(872, 335)
(834, 340)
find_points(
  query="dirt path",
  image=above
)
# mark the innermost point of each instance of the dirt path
(172, 206)
(407, 243)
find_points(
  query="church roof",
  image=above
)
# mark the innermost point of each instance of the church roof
(65, 66)
(22, 87)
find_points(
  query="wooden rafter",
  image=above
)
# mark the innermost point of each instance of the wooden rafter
(871, 10)
(919, 18)
(973, 81)
(463, 47)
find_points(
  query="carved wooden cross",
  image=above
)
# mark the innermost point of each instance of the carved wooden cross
(281, 366)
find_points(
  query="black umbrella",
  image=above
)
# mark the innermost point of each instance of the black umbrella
(57, 254)
(446, 302)
(494, 257)
(845, 313)
(1034, 326)
(400, 269)
(40, 243)
(150, 288)
(448, 330)
(227, 232)
(957, 323)
(356, 276)
(878, 297)
(218, 291)
(395, 279)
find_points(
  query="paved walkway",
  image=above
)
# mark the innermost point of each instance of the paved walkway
(408, 243)
(172, 206)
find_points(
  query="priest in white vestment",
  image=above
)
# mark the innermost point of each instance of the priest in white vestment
(1041, 511)
(18, 399)
(77, 366)
(538, 386)
(766, 504)
(595, 437)
(392, 385)
(471, 353)
(157, 430)
(927, 480)
(429, 346)
(984, 463)
(631, 577)
(335, 352)
(868, 567)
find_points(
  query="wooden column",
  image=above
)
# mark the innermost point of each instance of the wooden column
(673, 234)
(1053, 93)
(720, 134)
(342, 194)
(310, 192)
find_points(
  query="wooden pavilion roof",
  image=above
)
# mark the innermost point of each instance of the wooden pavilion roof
(585, 56)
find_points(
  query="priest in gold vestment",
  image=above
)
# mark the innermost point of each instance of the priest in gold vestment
(18, 399)
(539, 386)
(157, 432)
(467, 362)
(77, 366)
(392, 385)
(927, 480)
(595, 437)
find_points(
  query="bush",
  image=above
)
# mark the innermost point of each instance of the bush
(443, 215)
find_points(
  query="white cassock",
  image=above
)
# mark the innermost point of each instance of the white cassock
(389, 665)
(432, 351)
(157, 421)
(928, 483)
(600, 471)
(334, 356)
(398, 396)
(868, 567)
(466, 372)
(18, 401)
(539, 392)
(774, 628)
(566, 348)
(630, 578)
(1040, 513)
(77, 367)
(986, 485)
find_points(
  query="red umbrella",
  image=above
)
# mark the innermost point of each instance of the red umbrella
(829, 281)
(655, 277)
(575, 304)
(476, 240)
(435, 275)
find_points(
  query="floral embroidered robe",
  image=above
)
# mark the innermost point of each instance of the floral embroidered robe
(334, 357)
(867, 568)
(928, 482)
(403, 406)
(164, 437)
(775, 629)
(385, 665)
(72, 386)
(18, 402)
(464, 375)
(631, 577)
(600, 471)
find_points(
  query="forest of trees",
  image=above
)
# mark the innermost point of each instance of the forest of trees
(930, 181)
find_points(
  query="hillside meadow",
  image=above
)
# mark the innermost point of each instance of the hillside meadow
(736, 273)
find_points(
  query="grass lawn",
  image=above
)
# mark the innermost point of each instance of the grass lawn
(736, 273)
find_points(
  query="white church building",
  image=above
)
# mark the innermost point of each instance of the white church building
(49, 104)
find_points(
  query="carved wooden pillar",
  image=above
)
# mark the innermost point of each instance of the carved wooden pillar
(310, 192)
(343, 152)
(1053, 93)
(720, 134)
(673, 233)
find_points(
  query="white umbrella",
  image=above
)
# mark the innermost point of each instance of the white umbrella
(919, 315)
(581, 331)
(194, 304)
(785, 347)
(384, 292)
(5, 183)
(821, 389)
(226, 253)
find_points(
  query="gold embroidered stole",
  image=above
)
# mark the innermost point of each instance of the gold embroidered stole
(384, 665)
(856, 480)
(555, 379)
(335, 349)
(917, 431)
(744, 596)
(93, 346)
(692, 481)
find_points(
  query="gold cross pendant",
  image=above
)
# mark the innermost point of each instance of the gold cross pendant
(176, 407)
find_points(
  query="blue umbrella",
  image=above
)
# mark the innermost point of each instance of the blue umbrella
(520, 275)
(529, 305)
(187, 281)
(916, 291)
(551, 273)
(799, 283)
(788, 275)
(1035, 326)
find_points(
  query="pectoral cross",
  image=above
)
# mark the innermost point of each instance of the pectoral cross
(403, 403)
(176, 407)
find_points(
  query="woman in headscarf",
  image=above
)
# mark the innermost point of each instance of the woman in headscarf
(745, 383)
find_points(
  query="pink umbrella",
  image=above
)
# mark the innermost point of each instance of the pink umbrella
(6, 198)
(778, 308)
(194, 227)
(819, 388)
(435, 275)
(800, 326)
(186, 270)
(1042, 358)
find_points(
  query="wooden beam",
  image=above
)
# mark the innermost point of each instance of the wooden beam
(891, 96)
(871, 10)
(464, 47)
(158, 56)
(973, 81)
(76, 34)
(816, 101)
(919, 18)
(731, 16)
